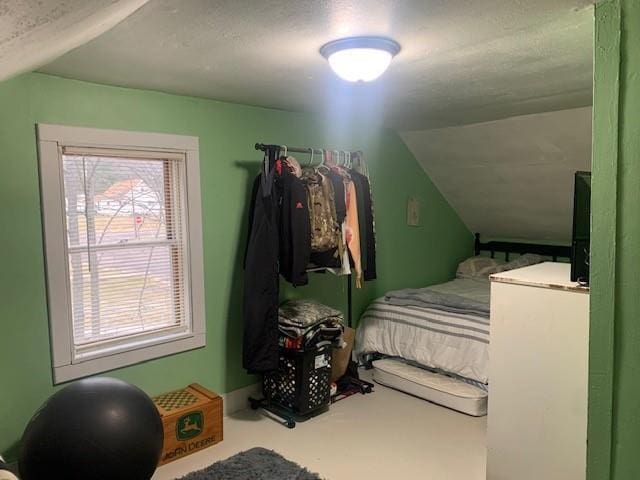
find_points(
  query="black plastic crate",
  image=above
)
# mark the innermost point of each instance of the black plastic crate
(301, 384)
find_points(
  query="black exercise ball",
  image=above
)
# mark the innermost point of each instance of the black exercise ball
(98, 429)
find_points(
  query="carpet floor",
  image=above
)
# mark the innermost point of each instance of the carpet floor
(255, 464)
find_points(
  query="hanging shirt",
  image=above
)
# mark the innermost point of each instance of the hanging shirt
(365, 221)
(322, 212)
(339, 177)
(337, 180)
(352, 231)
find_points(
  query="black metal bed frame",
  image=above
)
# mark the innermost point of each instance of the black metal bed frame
(553, 251)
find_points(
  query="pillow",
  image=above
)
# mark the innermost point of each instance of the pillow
(477, 267)
(522, 261)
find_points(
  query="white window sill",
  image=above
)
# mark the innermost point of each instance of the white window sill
(65, 373)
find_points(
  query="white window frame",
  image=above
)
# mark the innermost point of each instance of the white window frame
(67, 366)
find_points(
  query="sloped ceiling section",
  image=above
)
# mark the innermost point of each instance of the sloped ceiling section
(35, 32)
(511, 178)
(461, 61)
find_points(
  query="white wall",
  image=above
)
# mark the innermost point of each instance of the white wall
(510, 178)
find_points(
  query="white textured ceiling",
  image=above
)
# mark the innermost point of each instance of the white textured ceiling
(462, 61)
(34, 32)
(511, 178)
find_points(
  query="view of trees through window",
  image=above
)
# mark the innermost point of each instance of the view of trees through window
(124, 234)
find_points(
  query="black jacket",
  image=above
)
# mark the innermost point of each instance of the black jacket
(295, 229)
(261, 285)
(279, 243)
(365, 222)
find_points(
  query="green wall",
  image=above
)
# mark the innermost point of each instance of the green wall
(408, 256)
(614, 371)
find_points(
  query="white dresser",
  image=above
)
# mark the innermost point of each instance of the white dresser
(538, 367)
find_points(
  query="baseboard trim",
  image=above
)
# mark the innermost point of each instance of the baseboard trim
(237, 400)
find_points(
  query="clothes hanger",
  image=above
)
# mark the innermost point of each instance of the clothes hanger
(286, 150)
(265, 163)
(340, 158)
(315, 167)
(323, 162)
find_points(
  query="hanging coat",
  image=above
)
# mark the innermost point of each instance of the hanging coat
(261, 283)
(295, 230)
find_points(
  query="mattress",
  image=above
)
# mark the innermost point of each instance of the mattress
(451, 342)
(437, 388)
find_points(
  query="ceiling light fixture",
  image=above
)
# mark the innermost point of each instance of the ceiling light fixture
(360, 58)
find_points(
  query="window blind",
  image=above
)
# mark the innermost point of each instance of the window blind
(126, 245)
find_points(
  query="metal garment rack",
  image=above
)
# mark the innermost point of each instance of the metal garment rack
(266, 147)
(353, 384)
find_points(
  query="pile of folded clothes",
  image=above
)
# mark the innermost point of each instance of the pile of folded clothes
(306, 324)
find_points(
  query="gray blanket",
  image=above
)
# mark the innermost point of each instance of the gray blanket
(457, 296)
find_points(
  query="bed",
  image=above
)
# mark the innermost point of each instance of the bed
(453, 342)
(433, 342)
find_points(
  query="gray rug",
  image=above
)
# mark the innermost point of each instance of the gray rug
(255, 464)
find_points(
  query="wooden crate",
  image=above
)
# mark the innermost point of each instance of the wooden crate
(192, 420)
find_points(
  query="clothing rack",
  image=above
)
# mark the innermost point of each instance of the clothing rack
(351, 384)
(265, 148)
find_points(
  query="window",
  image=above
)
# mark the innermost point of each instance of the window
(123, 241)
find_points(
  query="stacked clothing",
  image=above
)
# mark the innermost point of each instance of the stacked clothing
(305, 324)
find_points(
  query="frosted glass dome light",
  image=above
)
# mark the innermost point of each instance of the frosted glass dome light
(360, 58)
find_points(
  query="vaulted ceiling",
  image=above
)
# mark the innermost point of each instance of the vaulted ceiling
(510, 178)
(461, 61)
